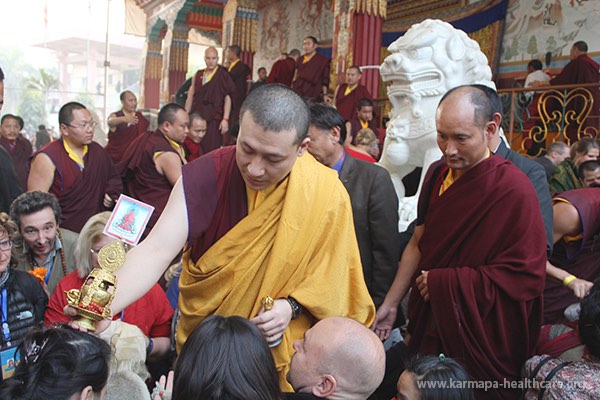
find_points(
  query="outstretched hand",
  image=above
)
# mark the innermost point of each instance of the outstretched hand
(580, 287)
(164, 387)
(273, 323)
(384, 321)
(101, 325)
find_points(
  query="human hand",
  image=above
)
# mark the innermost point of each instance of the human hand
(224, 126)
(273, 323)
(384, 321)
(101, 325)
(108, 201)
(131, 119)
(580, 287)
(422, 285)
(164, 387)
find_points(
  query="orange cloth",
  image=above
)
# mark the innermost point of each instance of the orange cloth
(298, 241)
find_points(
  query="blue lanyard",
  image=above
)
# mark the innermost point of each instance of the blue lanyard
(5, 329)
(49, 272)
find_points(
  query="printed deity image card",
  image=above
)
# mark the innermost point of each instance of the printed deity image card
(128, 220)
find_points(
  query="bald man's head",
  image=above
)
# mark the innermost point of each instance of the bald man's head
(338, 357)
(211, 58)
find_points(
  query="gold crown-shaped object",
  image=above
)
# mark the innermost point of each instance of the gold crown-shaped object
(93, 300)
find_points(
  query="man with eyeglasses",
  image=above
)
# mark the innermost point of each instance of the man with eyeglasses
(43, 243)
(77, 170)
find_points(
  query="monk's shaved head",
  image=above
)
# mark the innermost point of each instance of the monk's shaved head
(211, 50)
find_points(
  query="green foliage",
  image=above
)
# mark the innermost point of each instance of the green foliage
(32, 108)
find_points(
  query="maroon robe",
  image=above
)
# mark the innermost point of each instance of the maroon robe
(19, 151)
(311, 77)
(216, 199)
(124, 134)
(355, 126)
(209, 101)
(346, 105)
(583, 69)
(239, 75)
(579, 258)
(142, 181)
(484, 245)
(192, 150)
(282, 71)
(81, 192)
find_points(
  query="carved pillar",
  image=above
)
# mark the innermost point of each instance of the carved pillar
(152, 75)
(239, 24)
(178, 57)
(366, 47)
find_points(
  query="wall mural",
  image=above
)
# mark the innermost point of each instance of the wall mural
(284, 24)
(536, 27)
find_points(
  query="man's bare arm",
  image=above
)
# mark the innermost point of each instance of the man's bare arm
(190, 95)
(41, 173)
(169, 165)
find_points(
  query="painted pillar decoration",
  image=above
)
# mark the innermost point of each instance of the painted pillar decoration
(178, 57)
(366, 46)
(153, 70)
(240, 20)
(358, 25)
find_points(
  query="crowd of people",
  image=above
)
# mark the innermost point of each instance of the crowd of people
(283, 231)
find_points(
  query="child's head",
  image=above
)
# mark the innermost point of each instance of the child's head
(430, 377)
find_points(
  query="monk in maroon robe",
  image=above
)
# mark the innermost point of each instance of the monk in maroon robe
(125, 126)
(239, 73)
(348, 94)
(476, 291)
(76, 169)
(192, 143)
(210, 95)
(581, 69)
(152, 163)
(312, 72)
(17, 145)
(283, 69)
(363, 119)
(574, 263)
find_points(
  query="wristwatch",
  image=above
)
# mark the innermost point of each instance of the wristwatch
(296, 307)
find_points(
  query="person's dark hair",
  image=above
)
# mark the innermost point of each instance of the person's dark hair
(226, 358)
(581, 46)
(123, 93)
(583, 146)
(57, 363)
(535, 65)
(440, 369)
(21, 122)
(31, 202)
(295, 52)
(324, 116)
(483, 101)
(262, 69)
(234, 130)
(589, 320)
(8, 116)
(1, 75)
(364, 102)
(65, 115)
(356, 67)
(314, 39)
(235, 49)
(278, 108)
(42, 127)
(168, 112)
(588, 166)
(195, 116)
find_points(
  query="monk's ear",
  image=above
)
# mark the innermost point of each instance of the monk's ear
(326, 387)
(303, 146)
(63, 130)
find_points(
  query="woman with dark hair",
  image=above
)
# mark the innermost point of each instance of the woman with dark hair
(60, 364)
(23, 299)
(435, 376)
(226, 358)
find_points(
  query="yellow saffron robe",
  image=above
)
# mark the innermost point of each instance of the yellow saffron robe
(299, 241)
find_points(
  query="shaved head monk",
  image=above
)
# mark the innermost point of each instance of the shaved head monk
(476, 288)
(347, 95)
(262, 218)
(210, 95)
(125, 125)
(76, 169)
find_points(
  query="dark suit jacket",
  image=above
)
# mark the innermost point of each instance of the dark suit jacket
(375, 210)
(239, 74)
(537, 175)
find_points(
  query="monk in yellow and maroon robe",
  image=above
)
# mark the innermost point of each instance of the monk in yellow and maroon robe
(123, 135)
(20, 150)
(282, 71)
(347, 100)
(311, 75)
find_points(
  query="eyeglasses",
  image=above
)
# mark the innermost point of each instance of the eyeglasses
(85, 126)
(6, 245)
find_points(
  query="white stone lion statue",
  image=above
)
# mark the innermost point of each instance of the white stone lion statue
(431, 58)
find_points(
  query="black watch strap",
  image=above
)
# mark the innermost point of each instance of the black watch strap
(296, 307)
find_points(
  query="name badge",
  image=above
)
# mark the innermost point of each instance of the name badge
(9, 358)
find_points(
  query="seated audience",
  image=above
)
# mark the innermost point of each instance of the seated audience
(151, 313)
(225, 358)
(22, 296)
(566, 176)
(338, 358)
(558, 379)
(59, 364)
(437, 371)
(557, 152)
(366, 146)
